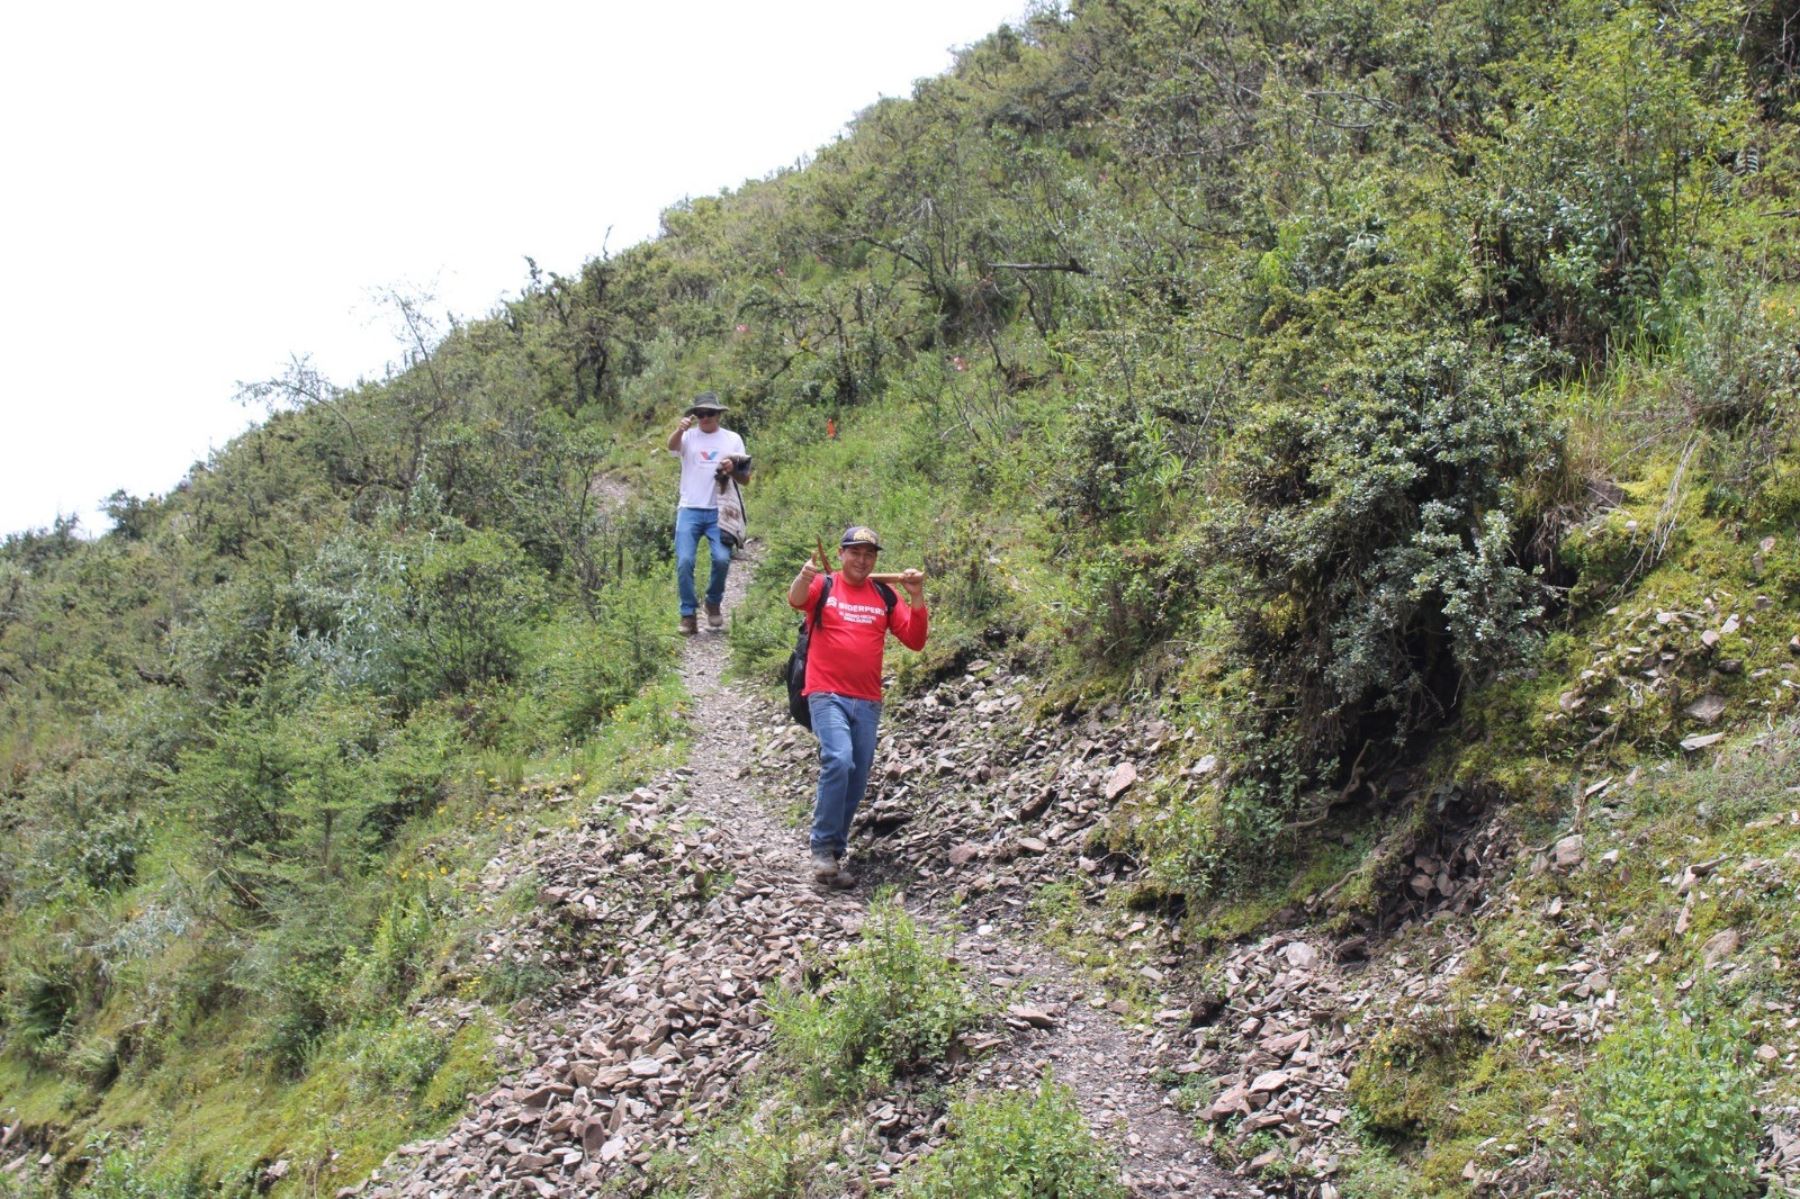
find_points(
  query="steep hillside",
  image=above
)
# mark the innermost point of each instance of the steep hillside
(1353, 450)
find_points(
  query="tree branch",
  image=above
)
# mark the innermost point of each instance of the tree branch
(1071, 266)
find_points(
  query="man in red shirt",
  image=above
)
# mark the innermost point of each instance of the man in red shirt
(843, 681)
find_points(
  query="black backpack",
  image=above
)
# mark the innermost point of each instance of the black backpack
(794, 673)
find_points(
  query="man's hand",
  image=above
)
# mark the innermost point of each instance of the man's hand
(802, 584)
(687, 422)
(914, 581)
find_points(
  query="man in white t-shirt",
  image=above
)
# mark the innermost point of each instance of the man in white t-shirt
(710, 456)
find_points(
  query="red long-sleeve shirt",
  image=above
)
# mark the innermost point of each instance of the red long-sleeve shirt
(844, 656)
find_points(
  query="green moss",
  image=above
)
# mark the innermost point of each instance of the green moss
(38, 1097)
(1404, 1078)
(470, 1067)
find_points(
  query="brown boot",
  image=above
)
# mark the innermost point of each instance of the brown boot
(689, 626)
(714, 617)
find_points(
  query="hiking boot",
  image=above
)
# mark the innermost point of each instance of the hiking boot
(824, 866)
(689, 626)
(843, 880)
(714, 617)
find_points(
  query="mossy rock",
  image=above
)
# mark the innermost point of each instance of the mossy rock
(1405, 1074)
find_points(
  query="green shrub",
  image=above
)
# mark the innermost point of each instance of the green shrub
(1603, 157)
(130, 1172)
(107, 849)
(413, 769)
(413, 614)
(295, 971)
(587, 668)
(893, 1004)
(1668, 1109)
(772, 1147)
(1740, 384)
(1034, 1146)
(400, 1057)
(384, 973)
(1368, 555)
(470, 602)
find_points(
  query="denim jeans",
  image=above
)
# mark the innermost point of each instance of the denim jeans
(691, 524)
(845, 728)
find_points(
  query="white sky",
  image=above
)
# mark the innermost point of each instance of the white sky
(192, 192)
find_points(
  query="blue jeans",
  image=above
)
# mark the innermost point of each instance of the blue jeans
(691, 524)
(845, 728)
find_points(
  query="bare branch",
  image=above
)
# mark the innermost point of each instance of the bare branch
(1071, 266)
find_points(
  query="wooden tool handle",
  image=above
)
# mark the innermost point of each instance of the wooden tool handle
(890, 578)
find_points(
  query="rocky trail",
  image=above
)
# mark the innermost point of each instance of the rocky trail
(669, 913)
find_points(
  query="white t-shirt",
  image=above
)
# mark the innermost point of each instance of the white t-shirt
(700, 455)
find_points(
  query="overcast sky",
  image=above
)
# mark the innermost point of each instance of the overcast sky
(195, 192)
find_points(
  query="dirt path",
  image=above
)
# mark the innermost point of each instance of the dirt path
(668, 913)
(1108, 1066)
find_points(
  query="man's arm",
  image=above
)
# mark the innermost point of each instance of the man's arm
(910, 622)
(687, 422)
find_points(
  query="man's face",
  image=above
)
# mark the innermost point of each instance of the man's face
(709, 421)
(858, 561)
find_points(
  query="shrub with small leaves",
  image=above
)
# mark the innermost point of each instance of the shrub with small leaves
(894, 1004)
(1018, 1147)
(772, 1146)
(1668, 1109)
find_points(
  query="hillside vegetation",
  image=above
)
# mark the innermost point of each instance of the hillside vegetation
(1398, 399)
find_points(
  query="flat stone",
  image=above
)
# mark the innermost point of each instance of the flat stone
(1707, 709)
(1720, 946)
(1123, 775)
(1235, 1101)
(1300, 955)
(1034, 1016)
(1270, 1082)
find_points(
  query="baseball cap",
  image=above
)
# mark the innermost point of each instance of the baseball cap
(860, 535)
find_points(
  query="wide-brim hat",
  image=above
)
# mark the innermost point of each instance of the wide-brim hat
(706, 401)
(860, 535)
